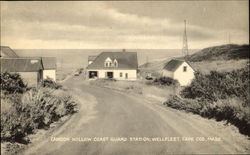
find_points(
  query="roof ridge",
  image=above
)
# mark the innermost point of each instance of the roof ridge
(117, 52)
(127, 59)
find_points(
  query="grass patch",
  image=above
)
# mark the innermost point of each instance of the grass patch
(139, 87)
(219, 65)
(127, 86)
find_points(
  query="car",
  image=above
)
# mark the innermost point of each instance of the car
(76, 73)
(149, 78)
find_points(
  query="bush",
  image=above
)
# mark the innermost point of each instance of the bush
(12, 83)
(165, 81)
(37, 108)
(232, 110)
(10, 118)
(181, 104)
(50, 83)
(218, 85)
(223, 96)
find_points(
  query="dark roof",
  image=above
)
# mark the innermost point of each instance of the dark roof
(173, 64)
(21, 64)
(126, 60)
(7, 52)
(49, 62)
(92, 57)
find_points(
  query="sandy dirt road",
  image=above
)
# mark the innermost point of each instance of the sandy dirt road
(104, 115)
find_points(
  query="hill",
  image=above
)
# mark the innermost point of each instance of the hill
(223, 52)
(154, 65)
(220, 58)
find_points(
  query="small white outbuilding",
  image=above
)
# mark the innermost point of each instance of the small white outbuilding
(49, 67)
(179, 70)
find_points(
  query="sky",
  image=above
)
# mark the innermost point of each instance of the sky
(123, 24)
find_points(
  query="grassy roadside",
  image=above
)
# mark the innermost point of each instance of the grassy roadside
(25, 110)
(148, 89)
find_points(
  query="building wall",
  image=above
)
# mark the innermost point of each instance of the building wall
(184, 78)
(132, 74)
(30, 78)
(49, 74)
(167, 73)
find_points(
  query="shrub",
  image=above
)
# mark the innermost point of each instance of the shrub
(232, 110)
(165, 81)
(67, 103)
(218, 85)
(12, 83)
(50, 83)
(11, 121)
(223, 96)
(46, 106)
(37, 108)
(184, 104)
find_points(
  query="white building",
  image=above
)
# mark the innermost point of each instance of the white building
(49, 67)
(113, 65)
(179, 70)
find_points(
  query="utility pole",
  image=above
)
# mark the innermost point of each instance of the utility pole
(146, 63)
(185, 42)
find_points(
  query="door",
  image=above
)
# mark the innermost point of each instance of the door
(110, 75)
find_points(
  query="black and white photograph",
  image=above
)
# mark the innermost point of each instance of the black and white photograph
(124, 77)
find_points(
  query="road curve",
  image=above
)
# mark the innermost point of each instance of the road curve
(107, 114)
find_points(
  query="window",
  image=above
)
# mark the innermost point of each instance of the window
(108, 62)
(184, 68)
(120, 74)
(115, 63)
(126, 75)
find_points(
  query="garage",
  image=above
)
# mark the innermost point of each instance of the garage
(93, 74)
(110, 75)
